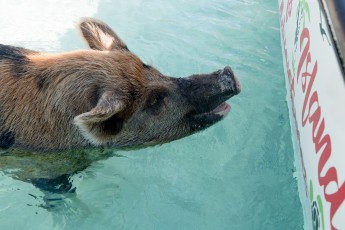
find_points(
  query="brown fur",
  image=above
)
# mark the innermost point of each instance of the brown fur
(72, 84)
(101, 97)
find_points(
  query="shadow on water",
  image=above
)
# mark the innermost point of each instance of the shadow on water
(52, 174)
(59, 197)
(63, 206)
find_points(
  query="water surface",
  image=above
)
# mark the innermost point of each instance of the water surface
(238, 174)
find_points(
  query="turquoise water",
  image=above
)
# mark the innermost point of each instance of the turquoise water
(238, 174)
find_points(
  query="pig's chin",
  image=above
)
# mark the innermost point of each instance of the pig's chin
(200, 121)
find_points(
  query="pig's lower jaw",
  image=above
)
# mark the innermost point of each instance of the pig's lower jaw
(204, 120)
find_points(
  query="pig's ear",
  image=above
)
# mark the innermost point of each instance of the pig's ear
(101, 123)
(100, 36)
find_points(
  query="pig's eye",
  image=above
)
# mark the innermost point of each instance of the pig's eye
(155, 101)
(146, 66)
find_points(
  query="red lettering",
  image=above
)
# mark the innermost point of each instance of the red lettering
(314, 119)
(288, 10)
(338, 197)
(306, 98)
(312, 114)
(326, 153)
(286, 57)
(305, 74)
(336, 200)
(292, 84)
(289, 75)
(304, 35)
(281, 8)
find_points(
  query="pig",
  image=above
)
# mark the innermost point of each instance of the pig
(102, 97)
(61, 112)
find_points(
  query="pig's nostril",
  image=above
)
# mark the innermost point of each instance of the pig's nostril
(227, 71)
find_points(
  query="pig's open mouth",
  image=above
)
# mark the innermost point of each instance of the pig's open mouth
(222, 110)
(200, 121)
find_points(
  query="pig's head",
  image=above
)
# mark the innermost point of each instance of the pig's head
(144, 107)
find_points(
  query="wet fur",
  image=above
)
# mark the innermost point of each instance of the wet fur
(47, 91)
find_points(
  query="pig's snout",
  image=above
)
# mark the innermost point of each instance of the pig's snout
(229, 83)
(207, 91)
